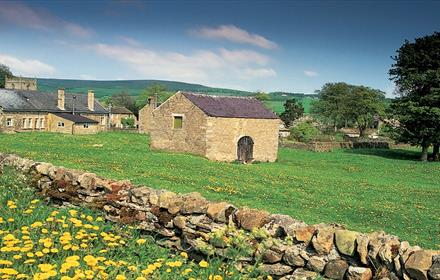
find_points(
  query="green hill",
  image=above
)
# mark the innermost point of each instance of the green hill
(132, 87)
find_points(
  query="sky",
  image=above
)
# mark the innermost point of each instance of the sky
(294, 46)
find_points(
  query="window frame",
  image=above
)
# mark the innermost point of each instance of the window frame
(10, 122)
(60, 124)
(177, 116)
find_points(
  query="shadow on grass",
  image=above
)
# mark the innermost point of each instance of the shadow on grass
(399, 154)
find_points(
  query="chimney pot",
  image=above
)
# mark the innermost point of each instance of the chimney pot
(61, 98)
(91, 100)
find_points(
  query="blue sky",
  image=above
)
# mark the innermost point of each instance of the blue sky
(294, 46)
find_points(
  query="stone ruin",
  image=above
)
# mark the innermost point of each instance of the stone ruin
(285, 247)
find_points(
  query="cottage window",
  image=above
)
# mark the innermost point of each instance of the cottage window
(23, 123)
(42, 123)
(29, 125)
(9, 122)
(37, 123)
(60, 124)
(178, 122)
(102, 121)
(86, 125)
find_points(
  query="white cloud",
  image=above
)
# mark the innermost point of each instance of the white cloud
(27, 67)
(26, 16)
(310, 73)
(130, 41)
(202, 66)
(234, 34)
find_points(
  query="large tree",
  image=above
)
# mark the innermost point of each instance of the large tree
(154, 89)
(4, 71)
(123, 99)
(293, 110)
(416, 73)
(342, 104)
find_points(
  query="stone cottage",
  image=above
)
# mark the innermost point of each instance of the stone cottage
(26, 110)
(218, 127)
(117, 114)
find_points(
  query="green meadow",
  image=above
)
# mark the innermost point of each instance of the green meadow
(367, 190)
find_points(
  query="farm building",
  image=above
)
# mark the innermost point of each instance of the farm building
(28, 110)
(118, 114)
(218, 127)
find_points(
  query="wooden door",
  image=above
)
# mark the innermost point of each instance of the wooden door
(245, 149)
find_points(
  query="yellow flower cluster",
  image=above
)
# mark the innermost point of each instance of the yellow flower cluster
(68, 245)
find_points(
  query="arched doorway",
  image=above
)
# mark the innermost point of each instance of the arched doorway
(245, 149)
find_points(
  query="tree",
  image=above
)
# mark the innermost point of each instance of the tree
(365, 105)
(128, 122)
(416, 73)
(123, 99)
(331, 107)
(154, 89)
(293, 110)
(4, 72)
(262, 96)
(342, 104)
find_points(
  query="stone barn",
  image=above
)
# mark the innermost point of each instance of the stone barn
(220, 128)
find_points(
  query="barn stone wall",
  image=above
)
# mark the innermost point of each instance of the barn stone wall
(222, 136)
(191, 138)
(145, 121)
(285, 248)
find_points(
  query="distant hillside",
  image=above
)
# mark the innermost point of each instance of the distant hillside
(132, 87)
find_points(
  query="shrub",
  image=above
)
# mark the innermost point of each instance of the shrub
(304, 132)
(127, 122)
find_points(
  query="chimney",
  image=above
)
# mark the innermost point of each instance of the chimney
(152, 101)
(91, 100)
(61, 98)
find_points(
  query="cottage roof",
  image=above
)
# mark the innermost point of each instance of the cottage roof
(36, 101)
(230, 106)
(75, 118)
(120, 110)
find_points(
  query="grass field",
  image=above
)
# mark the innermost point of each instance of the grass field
(363, 189)
(278, 105)
(40, 241)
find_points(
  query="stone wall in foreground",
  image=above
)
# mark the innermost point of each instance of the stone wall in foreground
(287, 248)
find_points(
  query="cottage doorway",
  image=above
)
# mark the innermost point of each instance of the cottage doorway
(245, 149)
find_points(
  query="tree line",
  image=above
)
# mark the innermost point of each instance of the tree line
(413, 117)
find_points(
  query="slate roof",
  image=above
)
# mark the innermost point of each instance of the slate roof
(36, 101)
(120, 110)
(230, 106)
(75, 118)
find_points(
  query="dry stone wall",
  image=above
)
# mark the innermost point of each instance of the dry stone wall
(285, 247)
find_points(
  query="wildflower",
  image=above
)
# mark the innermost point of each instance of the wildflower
(141, 241)
(203, 264)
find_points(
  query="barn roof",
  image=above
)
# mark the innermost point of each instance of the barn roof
(230, 106)
(120, 110)
(75, 118)
(36, 101)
